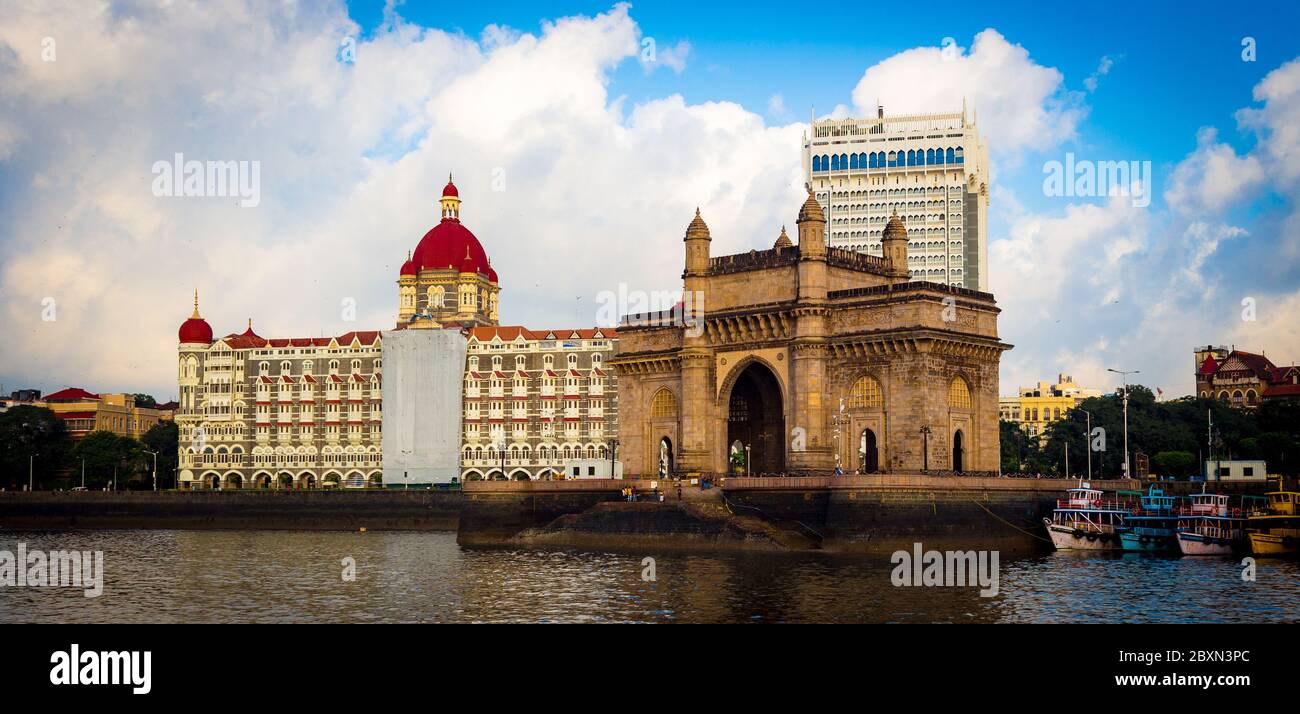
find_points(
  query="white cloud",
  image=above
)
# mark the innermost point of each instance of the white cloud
(1212, 177)
(352, 159)
(1021, 104)
(776, 106)
(1103, 68)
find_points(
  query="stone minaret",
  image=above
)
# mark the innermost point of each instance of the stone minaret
(812, 229)
(696, 358)
(809, 408)
(894, 246)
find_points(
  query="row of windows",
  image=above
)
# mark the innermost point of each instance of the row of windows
(544, 452)
(881, 159)
(548, 361)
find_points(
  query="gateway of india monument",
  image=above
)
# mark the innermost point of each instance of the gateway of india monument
(804, 358)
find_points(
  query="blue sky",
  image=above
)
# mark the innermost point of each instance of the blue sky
(1171, 77)
(605, 159)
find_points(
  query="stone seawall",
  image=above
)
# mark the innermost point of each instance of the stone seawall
(496, 511)
(887, 513)
(276, 510)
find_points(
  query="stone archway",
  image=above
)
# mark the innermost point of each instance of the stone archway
(665, 457)
(756, 418)
(958, 463)
(868, 452)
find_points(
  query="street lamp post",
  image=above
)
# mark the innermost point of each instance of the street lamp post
(1087, 441)
(747, 469)
(1124, 380)
(925, 455)
(155, 467)
(30, 482)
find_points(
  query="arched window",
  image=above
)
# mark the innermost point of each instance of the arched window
(961, 159)
(663, 405)
(958, 394)
(938, 156)
(929, 156)
(853, 161)
(871, 161)
(950, 158)
(862, 160)
(911, 158)
(835, 163)
(817, 163)
(866, 394)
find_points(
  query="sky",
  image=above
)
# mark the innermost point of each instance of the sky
(583, 136)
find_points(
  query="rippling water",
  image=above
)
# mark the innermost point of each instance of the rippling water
(296, 576)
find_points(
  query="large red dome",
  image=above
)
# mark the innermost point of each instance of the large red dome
(445, 246)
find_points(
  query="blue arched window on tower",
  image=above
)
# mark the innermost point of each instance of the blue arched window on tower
(929, 156)
(938, 156)
(817, 164)
(835, 162)
(853, 161)
(951, 156)
(862, 160)
(871, 161)
(893, 159)
(844, 162)
(960, 156)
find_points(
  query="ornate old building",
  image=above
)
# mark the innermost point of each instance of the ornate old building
(1243, 379)
(804, 357)
(535, 400)
(308, 412)
(277, 413)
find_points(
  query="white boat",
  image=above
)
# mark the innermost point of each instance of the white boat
(1086, 520)
(1211, 526)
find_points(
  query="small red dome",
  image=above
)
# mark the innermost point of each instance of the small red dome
(468, 265)
(450, 190)
(408, 268)
(195, 329)
(249, 332)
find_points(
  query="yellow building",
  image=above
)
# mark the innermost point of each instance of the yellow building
(1037, 406)
(84, 412)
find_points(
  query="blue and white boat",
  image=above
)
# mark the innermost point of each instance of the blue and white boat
(1153, 526)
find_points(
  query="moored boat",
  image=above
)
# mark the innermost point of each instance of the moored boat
(1211, 525)
(1086, 520)
(1153, 526)
(1276, 529)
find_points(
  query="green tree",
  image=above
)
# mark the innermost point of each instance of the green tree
(35, 437)
(163, 438)
(1174, 464)
(103, 454)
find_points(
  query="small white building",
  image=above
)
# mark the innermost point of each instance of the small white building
(592, 468)
(1256, 470)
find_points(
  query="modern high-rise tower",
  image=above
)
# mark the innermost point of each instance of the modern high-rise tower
(930, 169)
